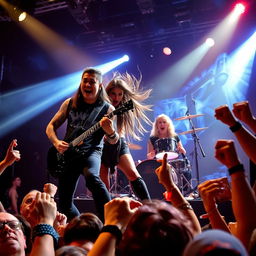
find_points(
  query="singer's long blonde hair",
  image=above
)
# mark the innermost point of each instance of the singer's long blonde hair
(130, 123)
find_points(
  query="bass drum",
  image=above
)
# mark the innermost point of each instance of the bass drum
(147, 169)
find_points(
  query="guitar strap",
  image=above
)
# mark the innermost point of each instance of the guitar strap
(93, 115)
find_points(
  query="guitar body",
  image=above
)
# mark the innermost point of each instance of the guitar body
(57, 164)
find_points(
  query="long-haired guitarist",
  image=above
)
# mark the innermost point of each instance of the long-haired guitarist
(88, 106)
(121, 88)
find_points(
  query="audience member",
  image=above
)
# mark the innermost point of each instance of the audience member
(241, 111)
(27, 205)
(117, 215)
(210, 191)
(243, 197)
(12, 196)
(215, 243)
(12, 238)
(174, 195)
(11, 156)
(70, 250)
(83, 231)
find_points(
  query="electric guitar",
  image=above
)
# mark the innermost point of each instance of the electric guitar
(57, 162)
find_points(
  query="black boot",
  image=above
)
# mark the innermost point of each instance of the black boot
(140, 189)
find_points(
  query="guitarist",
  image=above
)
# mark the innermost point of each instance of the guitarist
(121, 88)
(88, 106)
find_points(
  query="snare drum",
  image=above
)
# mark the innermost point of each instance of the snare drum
(178, 164)
(146, 169)
(166, 145)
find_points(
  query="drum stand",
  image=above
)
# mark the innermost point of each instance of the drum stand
(116, 189)
(185, 185)
(196, 142)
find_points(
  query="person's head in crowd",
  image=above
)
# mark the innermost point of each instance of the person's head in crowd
(69, 250)
(26, 206)
(16, 181)
(83, 230)
(163, 125)
(12, 238)
(27, 231)
(215, 243)
(157, 228)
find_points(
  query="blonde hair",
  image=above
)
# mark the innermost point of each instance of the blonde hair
(131, 122)
(170, 131)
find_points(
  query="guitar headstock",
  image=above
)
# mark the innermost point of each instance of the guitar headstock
(126, 106)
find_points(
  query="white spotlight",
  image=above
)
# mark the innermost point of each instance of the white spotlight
(239, 8)
(126, 57)
(22, 16)
(210, 42)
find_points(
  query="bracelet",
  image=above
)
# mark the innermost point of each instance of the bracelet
(112, 135)
(45, 229)
(114, 230)
(185, 206)
(235, 127)
(236, 168)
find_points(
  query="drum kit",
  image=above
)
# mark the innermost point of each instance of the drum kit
(180, 171)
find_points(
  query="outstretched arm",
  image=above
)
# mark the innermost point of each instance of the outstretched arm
(209, 191)
(174, 195)
(11, 156)
(58, 119)
(246, 139)
(117, 213)
(243, 198)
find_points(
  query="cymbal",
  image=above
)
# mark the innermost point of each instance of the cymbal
(188, 117)
(191, 131)
(134, 146)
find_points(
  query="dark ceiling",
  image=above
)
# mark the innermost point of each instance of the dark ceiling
(108, 25)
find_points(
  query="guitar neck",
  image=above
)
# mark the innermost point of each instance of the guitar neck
(88, 132)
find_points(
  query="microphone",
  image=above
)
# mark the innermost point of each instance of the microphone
(187, 112)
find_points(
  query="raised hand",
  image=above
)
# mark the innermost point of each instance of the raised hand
(224, 114)
(50, 189)
(242, 111)
(44, 208)
(164, 174)
(12, 155)
(225, 152)
(119, 211)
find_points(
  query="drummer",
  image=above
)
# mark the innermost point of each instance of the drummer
(163, 139)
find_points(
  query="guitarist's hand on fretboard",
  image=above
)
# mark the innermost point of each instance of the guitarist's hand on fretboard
(107, 125)
(61, 146)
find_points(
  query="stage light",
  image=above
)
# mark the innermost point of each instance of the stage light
(111, 65)
(126, 58)
(210, 42)
(22, 16)
(239, 8)
(40, 97)
(167, 51)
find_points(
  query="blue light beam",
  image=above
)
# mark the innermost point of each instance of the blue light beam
(28, 102)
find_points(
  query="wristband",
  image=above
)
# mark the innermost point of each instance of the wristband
(167, 195)
(112, 135)
(114, 230)
(236, 168)
(235, 127)
(45, 229)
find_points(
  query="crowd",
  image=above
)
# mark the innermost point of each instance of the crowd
(128, 226)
